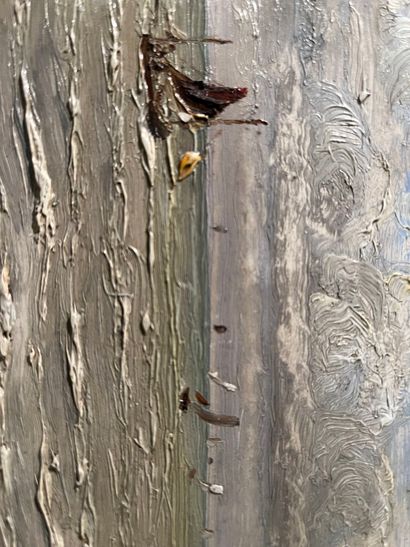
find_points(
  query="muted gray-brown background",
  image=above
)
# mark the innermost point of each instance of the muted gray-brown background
(112, 278)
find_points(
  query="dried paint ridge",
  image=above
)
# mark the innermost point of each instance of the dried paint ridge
(44, 222)
(45, 500)
(43, 211)
(7, 321)
(7, 312)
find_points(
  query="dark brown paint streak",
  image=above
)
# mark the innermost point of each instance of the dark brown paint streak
(197, 98)
(214, 418)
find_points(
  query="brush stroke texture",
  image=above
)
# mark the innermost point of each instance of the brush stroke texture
(315, 245)
(95, 242)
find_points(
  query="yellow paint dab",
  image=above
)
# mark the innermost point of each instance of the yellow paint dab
(187, 164)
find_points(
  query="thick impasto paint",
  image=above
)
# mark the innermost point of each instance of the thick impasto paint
(221, 361)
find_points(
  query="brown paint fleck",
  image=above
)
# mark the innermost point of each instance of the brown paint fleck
(201, 399)
(220, 329)
(220, 229)
(192, 473)
(184, 400)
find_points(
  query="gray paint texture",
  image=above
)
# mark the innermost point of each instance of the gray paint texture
(111, 278)
(312, 276)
